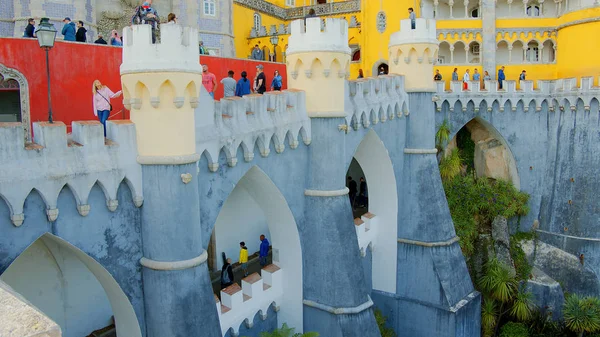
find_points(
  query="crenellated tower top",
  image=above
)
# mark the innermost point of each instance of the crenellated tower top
(318, 62)
(161, 86)
(177, 51)
(413, 53)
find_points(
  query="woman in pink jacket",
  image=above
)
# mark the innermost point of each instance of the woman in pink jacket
(102, 106)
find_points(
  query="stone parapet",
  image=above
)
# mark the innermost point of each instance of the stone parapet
(55, 160)
(331, 37)
(257, 294)
(366, 231)
(424, 32)
(276, 116)
(558, 94)
(376, 99)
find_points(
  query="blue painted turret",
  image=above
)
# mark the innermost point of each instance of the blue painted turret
(336, 297)
(161, 83)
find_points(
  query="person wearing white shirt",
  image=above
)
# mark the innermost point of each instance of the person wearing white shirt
(466, 79)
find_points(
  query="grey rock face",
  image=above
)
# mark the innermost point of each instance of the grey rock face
(501, 237)
(547, 294)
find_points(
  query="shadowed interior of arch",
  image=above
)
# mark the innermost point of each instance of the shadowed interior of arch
(71, 288)
(254, 207)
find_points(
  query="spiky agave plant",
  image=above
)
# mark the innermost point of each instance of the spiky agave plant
(522, 307)
(286, 331)
(450, 166)
(582, 314)
(498, 282)
(442, 135)
(489, 316)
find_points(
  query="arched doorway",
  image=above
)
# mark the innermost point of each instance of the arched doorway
(371, 159)
(485, 151)
(71, 288)
(255, 207)
(14, 98)
(380, 68)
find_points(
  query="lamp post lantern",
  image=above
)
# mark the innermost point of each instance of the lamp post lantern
(46, 34)
(274, 40)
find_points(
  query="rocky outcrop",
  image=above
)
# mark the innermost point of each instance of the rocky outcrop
(19, 318)
(563, 267)
(501, 237)
(547, 294)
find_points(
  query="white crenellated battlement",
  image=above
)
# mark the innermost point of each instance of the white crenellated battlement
(55, 161)
(558, 94)
(366, 231)
(424, 32)
(376, 99)
(257, 294)
(177, 52)
(226, 125)
(332, 37)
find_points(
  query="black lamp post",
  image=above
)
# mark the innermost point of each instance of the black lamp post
(46, 34)
(274, 40)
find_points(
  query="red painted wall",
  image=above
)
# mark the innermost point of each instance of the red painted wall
(75, 66)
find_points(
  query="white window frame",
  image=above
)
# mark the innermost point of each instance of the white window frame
(534, 11)
(475, 49)
(290, 3)
(257, 22)
(209, 8)
(532, 54)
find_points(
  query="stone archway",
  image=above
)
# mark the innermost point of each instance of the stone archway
(373, 158)
(13, 74)
(376, 65)
(71, 288)
(256, 198)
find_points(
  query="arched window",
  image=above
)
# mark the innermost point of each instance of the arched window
(533, 52)
(533, 10)
(475, 12)
(257, 22)
(356, 55)
(10, 100)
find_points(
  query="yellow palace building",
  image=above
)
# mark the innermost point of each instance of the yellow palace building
(549, 39)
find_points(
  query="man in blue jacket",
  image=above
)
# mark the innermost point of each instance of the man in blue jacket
(264, 250)
(501, 77)
(68, 30)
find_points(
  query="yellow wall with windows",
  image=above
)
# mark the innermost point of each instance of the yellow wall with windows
(576, 55)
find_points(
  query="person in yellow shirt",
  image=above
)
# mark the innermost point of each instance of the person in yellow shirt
(244, 258)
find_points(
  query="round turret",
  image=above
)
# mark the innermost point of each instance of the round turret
(413, 53)
(318, 61)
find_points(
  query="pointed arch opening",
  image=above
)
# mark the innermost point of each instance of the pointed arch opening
(71, 288)
(256, 207)
(14, 99)
(372, 168)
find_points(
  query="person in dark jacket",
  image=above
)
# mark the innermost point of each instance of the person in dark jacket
(264, 250)
(100, 40)
(30, 29)
(364, 193)
(80, 35)
(226, 274)
(353, 189)
(145, 14)
(243, 85)
(68, 30)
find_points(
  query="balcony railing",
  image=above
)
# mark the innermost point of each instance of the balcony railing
(332, 8)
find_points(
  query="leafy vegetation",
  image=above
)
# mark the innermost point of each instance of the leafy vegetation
(381, 320)
(512, 329)
(522, 266)
(582, 314)
(286, 331)
(442, 135)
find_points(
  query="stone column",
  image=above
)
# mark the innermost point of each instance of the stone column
(466, 3)
(161, 83)
(336, 298)
(428, 250)
(488, 36)
(451, 4)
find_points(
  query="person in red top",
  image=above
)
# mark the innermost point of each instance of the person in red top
(209, 80)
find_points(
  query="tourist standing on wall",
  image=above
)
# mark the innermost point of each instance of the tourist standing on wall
(311, 14)
(100, 40)
(260, 85)
(30, 29)
(476, 75)
(360, 74)
(243, 85)
(202, 49)
(364, 193)
(522, 76)
(229, 84)
(257, 54)
(171, 19)
(277, 81)
(80, 35)
(353, 189)
(115, 40)
(455, 74)
(102, 106)
(437, 76)
(413, 18)
(209, 80)
(264, 250)
(226, 274)
(486, 76)
(68, 30)
(244, 258)
(466, 79)
(145, 14)
(501, 77)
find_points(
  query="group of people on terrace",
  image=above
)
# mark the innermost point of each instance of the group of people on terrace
(242, 86)
(477, 77)
(227, 275)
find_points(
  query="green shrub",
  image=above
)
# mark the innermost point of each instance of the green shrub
(442, 135)
(286, 331)
(512, 329)
(385, 331)
(522, 266)
(467, 147)
(582, 314)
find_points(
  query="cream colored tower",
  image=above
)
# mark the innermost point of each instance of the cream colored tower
(318, 61)
(161, 85)
(413, 53)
